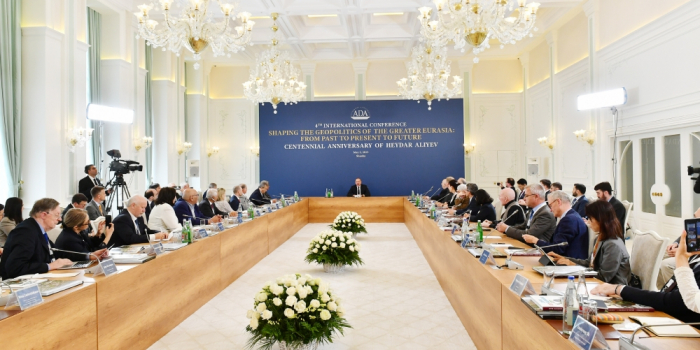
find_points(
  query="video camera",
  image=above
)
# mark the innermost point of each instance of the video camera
(691, 172)
(122, 167)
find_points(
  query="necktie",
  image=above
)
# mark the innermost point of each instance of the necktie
(532, 213)
(136, 224)
(99, 206)
(574, 202)
(358, 190)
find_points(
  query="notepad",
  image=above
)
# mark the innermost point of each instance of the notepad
(667, 331)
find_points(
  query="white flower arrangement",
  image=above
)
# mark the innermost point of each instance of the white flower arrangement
(349, 221)
(334, 248)
(314, 317)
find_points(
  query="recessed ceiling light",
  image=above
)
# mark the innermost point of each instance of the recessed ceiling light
(388, 14)
(319, 16)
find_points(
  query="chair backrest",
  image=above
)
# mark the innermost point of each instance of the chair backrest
(647, 253)
(628, 210)
(592, 235)
(499, 207)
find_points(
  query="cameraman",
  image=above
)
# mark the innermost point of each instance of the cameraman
(669, 262)
(88, 182)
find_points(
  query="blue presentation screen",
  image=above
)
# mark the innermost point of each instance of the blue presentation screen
(393, 146)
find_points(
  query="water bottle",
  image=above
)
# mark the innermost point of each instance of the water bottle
(240, 215)
(185, 228)
(296, 196)
(465, 229)
(331, 193)
(283, 202)
(251, 212)
(570, 307)
(432, 211)
(327, 194)
(581, 288)
(480, 231)
(413, 194)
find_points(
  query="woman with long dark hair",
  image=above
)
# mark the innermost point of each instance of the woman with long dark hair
(13, 216)
(609, 257)
(485, 211)
(163, 218)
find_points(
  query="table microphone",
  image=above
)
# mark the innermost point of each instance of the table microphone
(78, 253)
(436, 191)
(426, 192)
(194, 217)
(552, 245)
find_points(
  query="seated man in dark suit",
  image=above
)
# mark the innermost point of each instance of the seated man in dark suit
(443, 193)
(522, 183)
(207, 206)
(580, 201)
(604, 191)
(129, 227)
(187, 209)
(28, 249)
(235, 202)
(79, 201)
(359, 190)
(570, 228)
(260, 196)
(473, 207)
(540, 223)
(547, 184)
(150, 196)
(96, 207)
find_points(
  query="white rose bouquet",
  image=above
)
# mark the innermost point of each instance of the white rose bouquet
(295, 311)
(349, 221)
(334, 248)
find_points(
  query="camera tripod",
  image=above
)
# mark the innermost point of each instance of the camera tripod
(120, 192)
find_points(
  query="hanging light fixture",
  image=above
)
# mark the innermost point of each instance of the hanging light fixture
(474, 22)
(428, 75)
(195, 29)
(274, 79)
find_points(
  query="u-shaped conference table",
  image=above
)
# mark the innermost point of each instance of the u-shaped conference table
(142, 303)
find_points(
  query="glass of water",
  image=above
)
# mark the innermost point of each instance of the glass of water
(548, 276)
(589, 311)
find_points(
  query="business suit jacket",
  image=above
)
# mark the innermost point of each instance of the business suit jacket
(6, 226)
(670, 302)
(542, 226)
(620, 211)
(363, 191)
(472, 206)
(512, 215)
(245, 202)
(77, 242)
(260, 199)
(125, 231)
(85, 185)
(612, 262)
(149, 207)
(580, 206)
(234, 202)
(573, 230)
(206, 208)
(63, 214)
(546, 194)
(485, 212)
(93, 210)
(26, 251)
(182, 208)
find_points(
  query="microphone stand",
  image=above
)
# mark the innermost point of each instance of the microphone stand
(517, 266)
(426, 192)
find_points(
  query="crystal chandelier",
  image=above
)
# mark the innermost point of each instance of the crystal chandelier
(274, 79)
(194, 29)
(428, 75)
(474, 22)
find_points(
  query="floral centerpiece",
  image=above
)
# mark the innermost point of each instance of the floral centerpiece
(296, 312)
(334, 250)
(349, 221)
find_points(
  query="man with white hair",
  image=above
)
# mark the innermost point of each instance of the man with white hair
(129, 227)
(207, 206)
(211, 186)
(540, 222)
(570, 229)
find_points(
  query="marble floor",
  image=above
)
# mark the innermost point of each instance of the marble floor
(393, 301)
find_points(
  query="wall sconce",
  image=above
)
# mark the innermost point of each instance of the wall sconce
(469, 148)
(77, 137)
(143, 143)
(212, 151)
(185, 147)
(546, 142)
(585, 135)
(255, 150)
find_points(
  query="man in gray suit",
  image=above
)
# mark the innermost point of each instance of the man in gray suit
(96, 208)
(541, 222)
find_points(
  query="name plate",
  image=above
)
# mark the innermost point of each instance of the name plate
(240, 218)
(269, 209)
(584, 335)
(108, 267)
(26, 298)
(454, 228)
(521, 284)
(158, 248)
(220, 226)
(277, 205)
(202, 233)
(257, 212)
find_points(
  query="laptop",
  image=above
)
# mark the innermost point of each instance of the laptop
(564, 271)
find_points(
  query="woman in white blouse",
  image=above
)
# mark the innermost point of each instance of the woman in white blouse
(163, 218)
(221, 202)
(685, 276)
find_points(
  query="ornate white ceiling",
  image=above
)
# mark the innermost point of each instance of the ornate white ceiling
(357, 32)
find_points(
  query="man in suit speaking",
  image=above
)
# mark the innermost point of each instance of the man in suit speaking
(359, 190)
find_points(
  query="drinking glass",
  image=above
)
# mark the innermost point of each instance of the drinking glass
(202, 223)
(548, 276)
(589, 311)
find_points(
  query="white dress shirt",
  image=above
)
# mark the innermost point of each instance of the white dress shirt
(163, 218)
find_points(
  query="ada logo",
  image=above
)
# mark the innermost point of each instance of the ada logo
(360, 113)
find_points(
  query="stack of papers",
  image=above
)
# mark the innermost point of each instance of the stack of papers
(173, 246)
(132, 258)
(667, 331)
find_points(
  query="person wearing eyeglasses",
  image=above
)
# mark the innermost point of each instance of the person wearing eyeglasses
(74, 237)
(540, 222)
(28, 248)
(570, 229)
